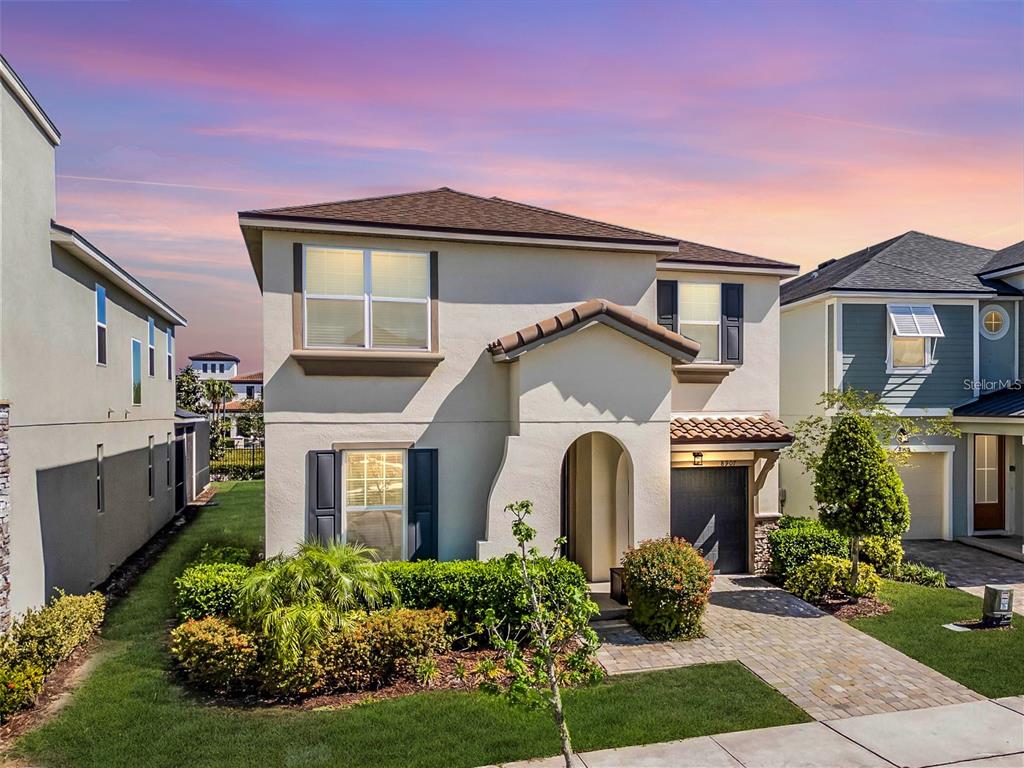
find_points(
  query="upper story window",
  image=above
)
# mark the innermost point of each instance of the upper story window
(136, 372)
(101, 325)
(170, 352)
(914, 329)
(995, 322)
(700, 317)
(363, 298)
(152, 347)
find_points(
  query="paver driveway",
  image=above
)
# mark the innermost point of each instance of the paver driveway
(968, 568)
(818, 662)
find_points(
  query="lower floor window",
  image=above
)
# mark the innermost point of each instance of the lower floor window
(374, 501)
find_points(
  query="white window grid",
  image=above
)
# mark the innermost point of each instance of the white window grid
(136, 344)
(403, 507)
(717, 324)
(366, 297)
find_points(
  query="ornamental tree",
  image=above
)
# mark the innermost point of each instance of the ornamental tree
(188, 390)
(858, 490)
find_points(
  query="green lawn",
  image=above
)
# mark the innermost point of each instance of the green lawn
(130, 712)
(988, 662)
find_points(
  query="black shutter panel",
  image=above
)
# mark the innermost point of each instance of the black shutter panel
(323, 481)
(668, 305)
(422, 526)
(732, 323)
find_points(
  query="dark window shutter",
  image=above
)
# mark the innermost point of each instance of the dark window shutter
(422, 531)
(323, 481)
(732, 323)
(668, 305)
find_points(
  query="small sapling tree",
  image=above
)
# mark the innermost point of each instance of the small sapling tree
(556, 643)
(858, 490)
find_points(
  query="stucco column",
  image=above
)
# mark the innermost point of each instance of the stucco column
(5, 512)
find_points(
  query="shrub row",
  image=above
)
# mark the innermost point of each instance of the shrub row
(668, 582)
(825, 577)
(233, 470)
(209, 589)
(374, 650)
(41, 639)
(798, 539)
(470, 588)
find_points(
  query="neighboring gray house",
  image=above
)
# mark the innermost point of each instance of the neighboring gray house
(933, 327)
(430, 357)
(87, 422)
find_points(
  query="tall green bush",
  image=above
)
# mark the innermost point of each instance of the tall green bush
(858, 490)
(797, 539)
(209, 589)
(667, 582)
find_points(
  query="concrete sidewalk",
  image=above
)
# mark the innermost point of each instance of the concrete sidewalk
(987, 734)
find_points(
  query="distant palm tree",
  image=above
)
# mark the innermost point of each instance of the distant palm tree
(218, 392)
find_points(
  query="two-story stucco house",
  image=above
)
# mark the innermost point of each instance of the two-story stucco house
(932, 326)
(430, 357)
(214, 365)
(88, 431)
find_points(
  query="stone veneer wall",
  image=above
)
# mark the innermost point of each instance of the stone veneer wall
(5, 512)
(762, 557)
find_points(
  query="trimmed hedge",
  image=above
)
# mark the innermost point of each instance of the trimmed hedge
(374, 650)
(668, 582)
(209, 589)
(39, 641)
(798, 539)
(468, 588)
(826, 577)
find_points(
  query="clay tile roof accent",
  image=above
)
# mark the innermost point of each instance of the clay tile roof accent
(248, 378)
(237, 406)
(697, 430)
(214, 356)
(449, 210)
(592, 309)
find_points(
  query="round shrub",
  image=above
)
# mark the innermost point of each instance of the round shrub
(667, 582)
(209, 589)
(215, 655)
(19, 685)
(798, 539)
(825, 577)
(885, 553)
(918, 573)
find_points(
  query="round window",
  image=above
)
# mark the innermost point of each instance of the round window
(994, 322)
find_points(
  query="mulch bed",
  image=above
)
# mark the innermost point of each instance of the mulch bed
(863, 608)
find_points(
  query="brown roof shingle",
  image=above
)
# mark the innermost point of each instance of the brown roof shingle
(249, 378)
(449, 210)
(684, 348)
(696, 430)
(697, 253)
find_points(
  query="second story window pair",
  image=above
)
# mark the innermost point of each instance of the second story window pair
(365, 298)
(914, 330)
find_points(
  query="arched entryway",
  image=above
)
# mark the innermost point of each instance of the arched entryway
(596, 503)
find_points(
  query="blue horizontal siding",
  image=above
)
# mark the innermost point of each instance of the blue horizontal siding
(864, 350)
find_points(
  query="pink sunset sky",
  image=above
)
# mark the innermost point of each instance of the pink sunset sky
(799, 132)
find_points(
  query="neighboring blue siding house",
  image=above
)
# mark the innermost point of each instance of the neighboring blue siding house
(932, 326)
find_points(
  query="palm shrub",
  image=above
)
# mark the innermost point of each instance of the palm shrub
(668, 583)
(297, 601)
(857, 488)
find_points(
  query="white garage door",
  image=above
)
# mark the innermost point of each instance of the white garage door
(925, 482)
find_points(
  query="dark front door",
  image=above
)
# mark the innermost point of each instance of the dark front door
(989, 483)
(709, 509)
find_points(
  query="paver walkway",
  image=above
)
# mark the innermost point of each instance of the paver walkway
(987, 734)
(968, 568)
(821, 664)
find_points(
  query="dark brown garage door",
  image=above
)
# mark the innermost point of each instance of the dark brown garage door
(709, 509)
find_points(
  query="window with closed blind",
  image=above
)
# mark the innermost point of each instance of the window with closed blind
(374, 501)
(366, 298)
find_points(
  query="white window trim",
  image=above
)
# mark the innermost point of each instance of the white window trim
(929, 354)
(366, 297)
(169, 457)
(381, 507)
(1006, 322)
(169, 336)
(717, 323)
(103, 325)
(151, 479)
(131, 372)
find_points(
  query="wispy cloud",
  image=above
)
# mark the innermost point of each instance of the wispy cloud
(143, 183)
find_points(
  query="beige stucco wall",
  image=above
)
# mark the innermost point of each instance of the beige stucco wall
(61, 403)
(804, 374)
(463, 408)
(595, 380)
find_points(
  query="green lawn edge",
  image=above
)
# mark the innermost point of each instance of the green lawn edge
(988, 662)
(130, 711)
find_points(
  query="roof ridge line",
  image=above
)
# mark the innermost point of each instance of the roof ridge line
(950, 240)
(356, 200)
(582, 218)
